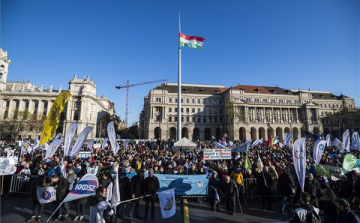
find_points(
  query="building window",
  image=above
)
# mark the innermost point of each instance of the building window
(193, 110)
(182, 100)
(187, 101)
(199, 119)
(175, 100)
(76, 115)
(182, 110)
(265, 100)
(193, 119)
(198, 101)
(170, 100)
(204, 119)
(158, 99)
(198, 109)
(175, 109)
(187, 110)
(209, 119)
(257, 100)
(187, 119)
(193, 101)
(221, 119)
(220, 101)
(175, 118)
(215, 119)
(220, 110)
(182, 118)
(215, 111)
(170, 109)
(170, 119)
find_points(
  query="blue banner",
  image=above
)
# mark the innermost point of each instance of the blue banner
(184, 184)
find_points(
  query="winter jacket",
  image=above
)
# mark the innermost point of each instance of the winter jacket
(213, 184)
(151, 186)
(287, 184)
(330, 210)
(231, 189)
(302, 213)
(72, 179)
(264, 180)
(137, 186)
(347, 216)
(124, 185)
(237, 177)
(61, 189)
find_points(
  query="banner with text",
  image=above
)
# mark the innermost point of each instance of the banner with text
(184, 184)
(217, 154)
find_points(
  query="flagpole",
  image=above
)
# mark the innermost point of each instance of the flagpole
(179, 87)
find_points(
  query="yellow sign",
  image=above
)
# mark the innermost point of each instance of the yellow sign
(52, 119)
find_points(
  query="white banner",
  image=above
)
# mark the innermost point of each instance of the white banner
(46, 194)
(52, 148)
(69, 137)
(8, 165)
(346, 140)
(112, 137)
(257, 142)
(85, 187)
(36, 144)
(328, 141)
(80, 141)
(299, 157)
(318, 150)
(115, 198)
(217, 154)
(167, 203)
(104, 142)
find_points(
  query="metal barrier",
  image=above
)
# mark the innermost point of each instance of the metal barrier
(250, 189)
(19, 186)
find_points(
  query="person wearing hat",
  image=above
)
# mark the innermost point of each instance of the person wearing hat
(151, 186)
(214, 186)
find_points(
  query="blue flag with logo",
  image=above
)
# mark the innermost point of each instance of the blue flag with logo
(85, 187)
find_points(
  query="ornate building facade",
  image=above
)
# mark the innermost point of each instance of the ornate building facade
(84, 106)
(242, 111)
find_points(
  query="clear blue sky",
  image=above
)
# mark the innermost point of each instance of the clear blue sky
(293, 44)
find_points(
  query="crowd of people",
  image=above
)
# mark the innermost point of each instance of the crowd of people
(337, 201)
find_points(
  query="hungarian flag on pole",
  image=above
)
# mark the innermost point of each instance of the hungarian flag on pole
(191, 41)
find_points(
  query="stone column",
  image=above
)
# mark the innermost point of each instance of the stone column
(272, 114)
(297, 115)
(246, 114)
(264, 115)
(256, 115)
(152, 113)
(288, 115)
(281, 116)
(49, 103)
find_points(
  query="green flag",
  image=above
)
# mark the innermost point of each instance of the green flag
(247, 163)
(349, 163)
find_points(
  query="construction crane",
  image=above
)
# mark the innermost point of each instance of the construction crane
(127, 94)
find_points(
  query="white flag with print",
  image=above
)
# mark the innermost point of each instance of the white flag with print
(167, 203)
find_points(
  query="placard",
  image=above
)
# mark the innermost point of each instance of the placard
(217, 154)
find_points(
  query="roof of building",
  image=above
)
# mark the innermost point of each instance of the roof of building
(192, 89)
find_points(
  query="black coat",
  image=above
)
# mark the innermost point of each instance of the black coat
(287, 183)
(61, 189)
(231, 189)
(312, 190)
(124, 185)
(137, 186)
(213, 183)
(330, 210)
(151, 186)
(347, 216)
(262, 178)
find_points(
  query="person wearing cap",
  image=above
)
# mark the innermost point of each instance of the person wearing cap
(213, 188)
(151, 186)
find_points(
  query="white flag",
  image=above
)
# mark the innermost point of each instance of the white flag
(112, 137)
(46, 194)
(115, 199)
(52, 148)
(346, 140)
(167, 203)
(69, 137)
(104, 142)
(80, 141)
(355, 142)
(318, 150)
(328, 141)
(288, 139)
(58, 136)
(36, 144)
(299, 157)
(90, 144)
(338, 144)
(109, 193)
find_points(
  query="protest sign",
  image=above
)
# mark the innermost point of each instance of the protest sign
(217, 154)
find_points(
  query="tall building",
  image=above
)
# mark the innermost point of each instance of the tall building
(84, 106)
(242, 111)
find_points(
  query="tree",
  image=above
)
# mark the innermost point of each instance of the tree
(232, 115)
(343, 119)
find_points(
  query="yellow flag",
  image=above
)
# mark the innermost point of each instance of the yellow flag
(52, 119)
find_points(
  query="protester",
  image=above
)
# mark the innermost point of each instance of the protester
(288, 188)
(345, 214)
(265, 181)
(328, 204)
(37, 207)
(306, 212)
(231, 195)
(213, 189)
(61, 186)
(124, 184)
(151, 186)
(136, 191)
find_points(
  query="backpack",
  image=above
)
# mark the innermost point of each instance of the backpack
(312, 217)
(109, 218)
